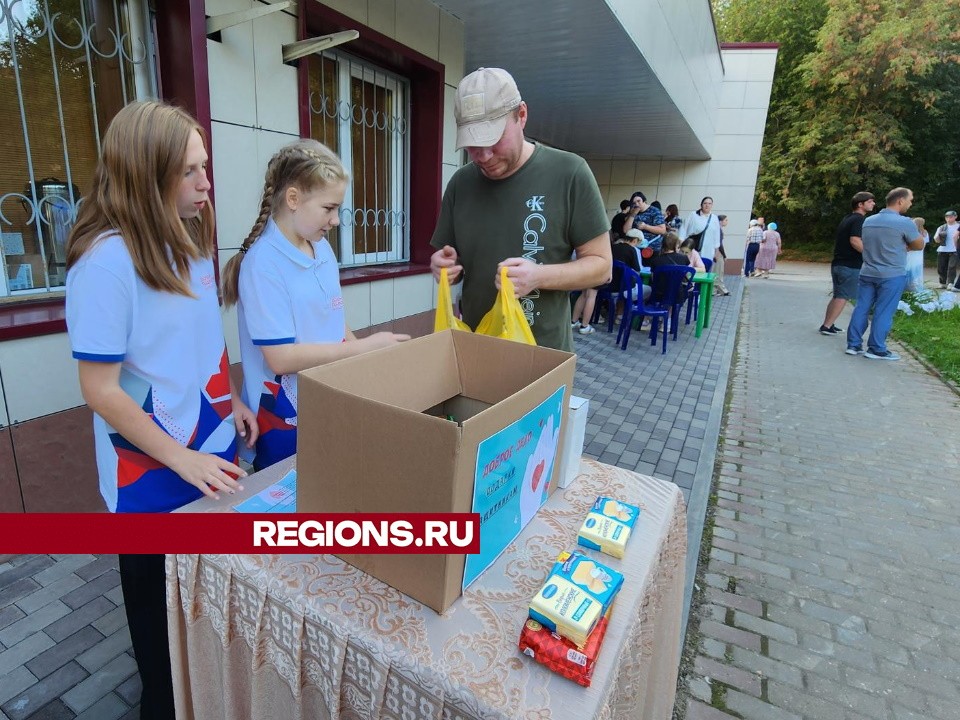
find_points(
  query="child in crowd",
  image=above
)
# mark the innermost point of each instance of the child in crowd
(144, 324)
(915, 259)
(583, 311)
(287, 283)
(688, 248)
(719, 260)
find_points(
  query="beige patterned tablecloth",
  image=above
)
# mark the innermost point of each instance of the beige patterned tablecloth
(294, 636)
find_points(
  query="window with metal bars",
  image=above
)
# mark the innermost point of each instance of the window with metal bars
(66, 68)
(361, 112)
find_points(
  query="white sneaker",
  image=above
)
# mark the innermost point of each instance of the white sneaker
(575, 325)
(586, 330)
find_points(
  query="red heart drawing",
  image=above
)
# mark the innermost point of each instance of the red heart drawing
(537, 472)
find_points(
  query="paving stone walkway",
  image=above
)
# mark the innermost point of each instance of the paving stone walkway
(64, 646)
(833, 584)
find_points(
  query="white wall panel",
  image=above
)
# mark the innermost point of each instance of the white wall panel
(418, 26)
(356, 9)
(731, 94)
(761, 65)
(739, 121)
(356, 304)
(616, 193)
(695, 172)
(39, 376)
(671, 172)
(623, 172)
(733, 172)
(277, 97)
(601, 169)
(231, 68)
(732, 198)
(381, 301)
(452, 48)
(669, 194)
(447, 172)
(412, 294)
(451, 155)
(4, 420)
(382, 16)
(647, 175)
(231, 332)
(737, 147)
(690, 197)
(757, 95)
(238, 181)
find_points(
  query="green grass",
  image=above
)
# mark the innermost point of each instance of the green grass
(935, 336)
(808, 252)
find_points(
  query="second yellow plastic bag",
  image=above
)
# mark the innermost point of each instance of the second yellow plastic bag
(445, 319)
(506, 319)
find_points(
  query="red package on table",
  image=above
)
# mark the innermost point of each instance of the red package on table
(561, 655)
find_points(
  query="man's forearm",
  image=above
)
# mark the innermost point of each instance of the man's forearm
(584, 272)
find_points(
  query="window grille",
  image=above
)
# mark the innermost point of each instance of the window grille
(361, 112)
(66, 68)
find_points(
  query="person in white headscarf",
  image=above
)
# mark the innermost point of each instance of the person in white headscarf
(704, 222)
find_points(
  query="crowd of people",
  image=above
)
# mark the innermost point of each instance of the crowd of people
(875, 259)
(641, 233)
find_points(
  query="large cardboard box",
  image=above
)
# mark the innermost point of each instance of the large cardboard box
(374, 436)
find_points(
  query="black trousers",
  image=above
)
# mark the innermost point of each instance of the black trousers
(144, 584)
(947, 267)
(750, 258)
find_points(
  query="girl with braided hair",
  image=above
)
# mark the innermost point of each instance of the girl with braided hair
(286, 284)
(144, 323)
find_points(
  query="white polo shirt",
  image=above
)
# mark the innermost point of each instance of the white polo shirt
(950, 242)
(285, 297)
(173, 363)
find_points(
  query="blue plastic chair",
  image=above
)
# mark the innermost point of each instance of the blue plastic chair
(631, 288)
(708, 264)
(672, 286)
(606, 298)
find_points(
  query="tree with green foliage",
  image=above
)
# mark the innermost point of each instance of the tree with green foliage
(864, 97)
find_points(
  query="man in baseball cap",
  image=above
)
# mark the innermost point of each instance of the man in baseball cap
(946, 239)
(483, 102)
(519, 205)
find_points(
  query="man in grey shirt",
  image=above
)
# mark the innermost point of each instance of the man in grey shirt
(886, 238)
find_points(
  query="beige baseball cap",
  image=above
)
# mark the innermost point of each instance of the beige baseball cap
(484, 99)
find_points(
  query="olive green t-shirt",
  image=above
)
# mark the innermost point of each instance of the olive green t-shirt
(542, 212)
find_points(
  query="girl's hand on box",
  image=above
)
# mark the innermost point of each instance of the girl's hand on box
(384, 339)
(208, 473)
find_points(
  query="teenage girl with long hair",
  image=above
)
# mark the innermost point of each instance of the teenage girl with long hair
(144, 324)
(286, 282)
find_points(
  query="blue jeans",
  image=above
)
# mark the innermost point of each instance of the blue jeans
(881, 295)
(750, 258)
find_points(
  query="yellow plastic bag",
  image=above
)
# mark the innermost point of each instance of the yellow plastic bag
(506, 319)
(445, 319)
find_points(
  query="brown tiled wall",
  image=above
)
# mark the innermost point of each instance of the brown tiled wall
(733, 267)
(10, 500)
(48, 464)
(56, 464)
